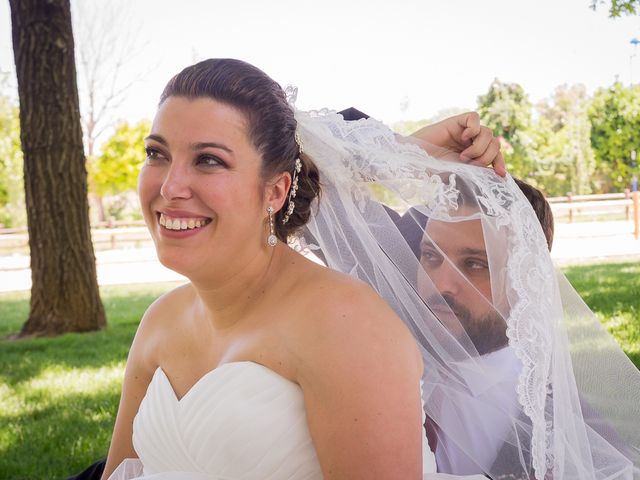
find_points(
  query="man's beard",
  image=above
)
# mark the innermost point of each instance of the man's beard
(488, 332)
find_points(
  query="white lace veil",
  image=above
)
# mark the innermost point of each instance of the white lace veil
(521, 381)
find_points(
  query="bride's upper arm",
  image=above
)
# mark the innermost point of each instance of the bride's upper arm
(138, 373)
(360, 377)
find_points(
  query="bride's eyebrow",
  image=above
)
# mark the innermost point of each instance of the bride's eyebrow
(157, 138)
(203, 145)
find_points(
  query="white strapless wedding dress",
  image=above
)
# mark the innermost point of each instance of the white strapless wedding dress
(240, 421)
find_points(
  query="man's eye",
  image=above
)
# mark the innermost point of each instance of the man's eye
(476, 265)
(430, 257)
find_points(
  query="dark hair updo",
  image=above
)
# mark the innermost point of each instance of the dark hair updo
(271, 125)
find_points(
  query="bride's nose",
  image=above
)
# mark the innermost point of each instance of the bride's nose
(177, 182)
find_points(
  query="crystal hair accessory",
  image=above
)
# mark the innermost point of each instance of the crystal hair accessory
(294, 182)
(272, 240)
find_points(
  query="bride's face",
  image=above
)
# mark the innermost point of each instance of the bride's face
(200, 187)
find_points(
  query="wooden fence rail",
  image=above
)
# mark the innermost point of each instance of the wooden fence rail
(599, 204)
(128, 234)
(105, 237)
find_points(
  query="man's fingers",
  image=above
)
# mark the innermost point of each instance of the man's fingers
(480, 145)
(470, 122)
(497, 162)
(499, 166)
(489, 155)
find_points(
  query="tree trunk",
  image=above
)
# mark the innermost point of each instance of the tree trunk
(64, 292)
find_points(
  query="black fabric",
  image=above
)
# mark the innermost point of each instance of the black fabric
(412, 226)
(94, 472)
(351, 114)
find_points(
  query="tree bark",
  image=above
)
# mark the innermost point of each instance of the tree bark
(64, 292)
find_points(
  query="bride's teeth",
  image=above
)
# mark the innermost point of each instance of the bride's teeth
(181, 223)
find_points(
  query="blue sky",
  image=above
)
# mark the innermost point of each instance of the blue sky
(376, 55)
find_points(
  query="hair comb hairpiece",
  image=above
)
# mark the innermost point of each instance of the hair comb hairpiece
(294, 181)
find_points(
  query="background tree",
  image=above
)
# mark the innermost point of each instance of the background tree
(12, 209)
(116, 169)
(106, 43)
(619, 7)
(563, 142)
(506, 110)
(64, 292)
(114, 174)
(615, 131)
(407, 127)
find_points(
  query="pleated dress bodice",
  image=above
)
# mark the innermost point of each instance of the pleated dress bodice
(239, 421)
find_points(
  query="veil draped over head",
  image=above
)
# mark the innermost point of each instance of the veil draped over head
(520, 379)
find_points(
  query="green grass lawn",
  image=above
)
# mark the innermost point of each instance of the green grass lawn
(58, 396)
(612, 291)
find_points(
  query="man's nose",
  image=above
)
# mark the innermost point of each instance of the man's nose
(177, 182)
(447, 279)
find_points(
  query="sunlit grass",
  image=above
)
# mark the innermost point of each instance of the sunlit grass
(612, 291)
(59, 396)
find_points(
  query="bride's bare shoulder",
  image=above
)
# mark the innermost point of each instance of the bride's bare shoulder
(165, 310)
(169, 303)
(339, 313)
(330, 291)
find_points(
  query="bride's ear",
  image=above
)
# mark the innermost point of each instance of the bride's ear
(277, 189)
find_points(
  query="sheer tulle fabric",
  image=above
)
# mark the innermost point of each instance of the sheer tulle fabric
(520, 379)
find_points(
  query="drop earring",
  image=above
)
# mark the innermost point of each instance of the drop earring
(272, 240)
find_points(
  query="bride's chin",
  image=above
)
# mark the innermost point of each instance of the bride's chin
(179, 263)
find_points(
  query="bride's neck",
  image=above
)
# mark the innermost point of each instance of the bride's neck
(226, 301)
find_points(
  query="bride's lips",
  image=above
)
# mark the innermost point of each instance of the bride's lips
(180, 223)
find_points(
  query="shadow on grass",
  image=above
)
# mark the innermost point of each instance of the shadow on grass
(58, 439)
(22, 360)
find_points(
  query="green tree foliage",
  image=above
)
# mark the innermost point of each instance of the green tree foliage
(407, 127)
(619, 8)
(506, 110)
(563, 142)
(12, 207)
(116, 170)
(615, 131)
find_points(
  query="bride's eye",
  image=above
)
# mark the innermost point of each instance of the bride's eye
(152, 154)
(210, 161)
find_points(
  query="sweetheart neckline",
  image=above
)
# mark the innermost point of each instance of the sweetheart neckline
(214, 370)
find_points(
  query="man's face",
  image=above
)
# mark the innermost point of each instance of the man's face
(454, 256)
